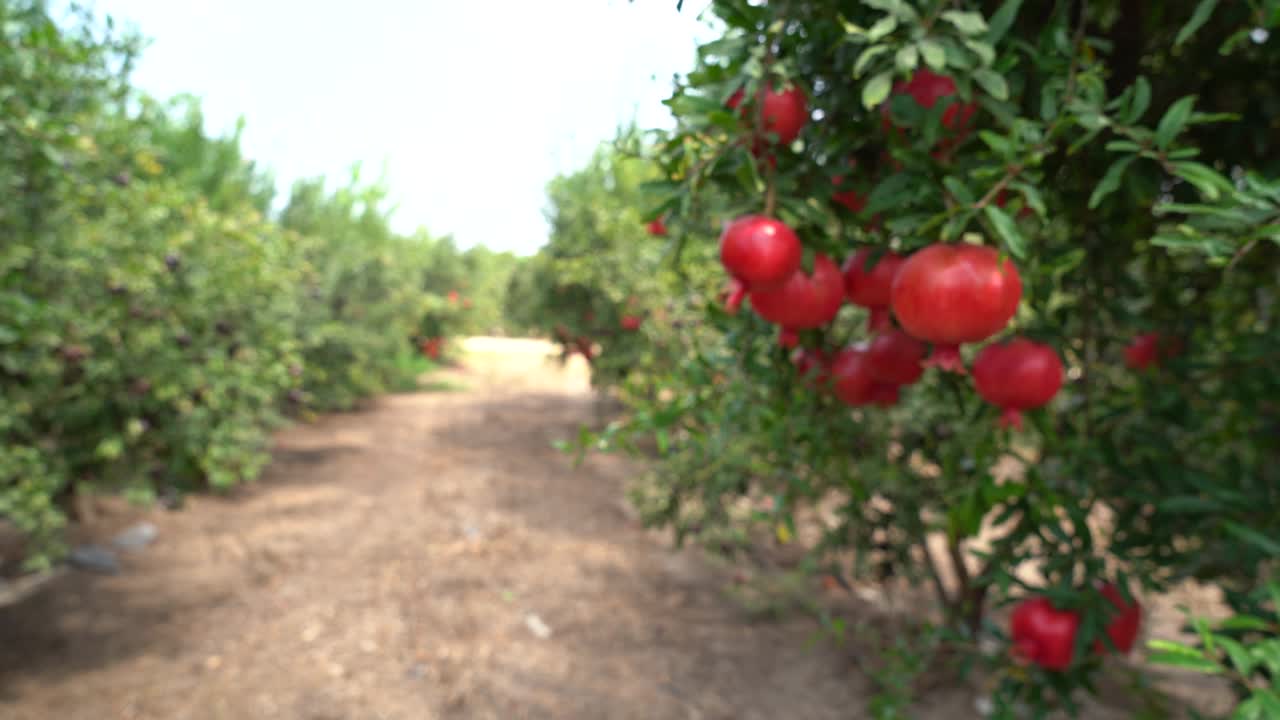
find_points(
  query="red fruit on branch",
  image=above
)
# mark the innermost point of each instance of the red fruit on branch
(1043, 634)
(1124, 625)
(872, 288)
(851, 199)
(928, 88)
(631, 322)
(453, 296)
(1149, 349)
(851, 377)
(803, 301)
(1017, 376)
(783, 112)
(884, 394)
(894, 358)
(951, 294)
(759, 252)
(657, 228)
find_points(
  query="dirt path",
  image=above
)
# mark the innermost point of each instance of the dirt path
(404, 562)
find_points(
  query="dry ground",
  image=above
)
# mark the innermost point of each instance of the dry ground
(430, 557)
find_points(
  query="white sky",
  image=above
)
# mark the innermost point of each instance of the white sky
(472, 105)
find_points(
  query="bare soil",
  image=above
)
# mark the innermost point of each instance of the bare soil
(430, 557)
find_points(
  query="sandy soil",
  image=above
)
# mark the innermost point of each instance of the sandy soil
(430, 557)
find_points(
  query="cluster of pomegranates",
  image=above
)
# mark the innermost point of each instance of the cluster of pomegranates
(944, 295)
(1044, 635)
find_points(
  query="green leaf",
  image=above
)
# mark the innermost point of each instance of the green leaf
(866, 57)
(967, 22)
(1175, 655)
(1174, 120)
(890, 193)
(882, 28)
(935, 56)
(1244, 622)
(1003, 20)
(1110, 180)
(907, 58)
(958, 190)
(986, 54)
(1141, 100)
(1203, 11)
(998, 143)
(1240, 657)
(1032, 195)
(877, 89)
(899, 8)
(993, 82)
(1253, 537)
(1207, 180)
(1008, 231)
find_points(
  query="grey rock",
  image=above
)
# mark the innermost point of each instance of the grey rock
(94, 558)
(136, 537)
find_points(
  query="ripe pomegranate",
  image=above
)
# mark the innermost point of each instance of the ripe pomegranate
(804, 301)
(927, 88)
(884, 394)
(851, 376)
(1124, 625)
(453, 296)
(1016, 376)
(952, 294)
(851, 199)
(871, 288)
(1149, 349)
(1044, 634)
(631, 322)
(894, 358)
(657, 228)
(783, 113)
(759, 252)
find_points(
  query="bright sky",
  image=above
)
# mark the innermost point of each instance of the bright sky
(472, 106)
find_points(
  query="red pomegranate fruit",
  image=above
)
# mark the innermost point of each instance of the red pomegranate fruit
(759, 252)
(884, 394)
(927, 88)
(851, 376)
(894, 358)
(783, 112)
(1043, 634)
(657, 228)
(1149, 349)
(1123, 627)
(631, 322)
(948, 294)
(871, 288)
(803, 301)
(1016, 376)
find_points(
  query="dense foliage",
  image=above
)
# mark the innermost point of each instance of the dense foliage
(1119, 159)
(155, 320)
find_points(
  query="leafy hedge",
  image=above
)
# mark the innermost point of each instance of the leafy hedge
(155, 321)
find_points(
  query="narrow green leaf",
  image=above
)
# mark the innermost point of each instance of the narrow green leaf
(1244, 622)
(866, 57)
(998, 143)
(907, 58)
(1253, 537)
(969, 23)
(876, 89)
(1032, 195)
(882, 28)
(1003, 20)
(1123, 146)
(992, 82)
(986, 54)
(1190, 662)
(958, 190)
(1174, 120)
(1198, 18)
(1240, 657)
(1141, 100)
(1207, 180)
(934, 54)
(1110, 180)
(1008, 231)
